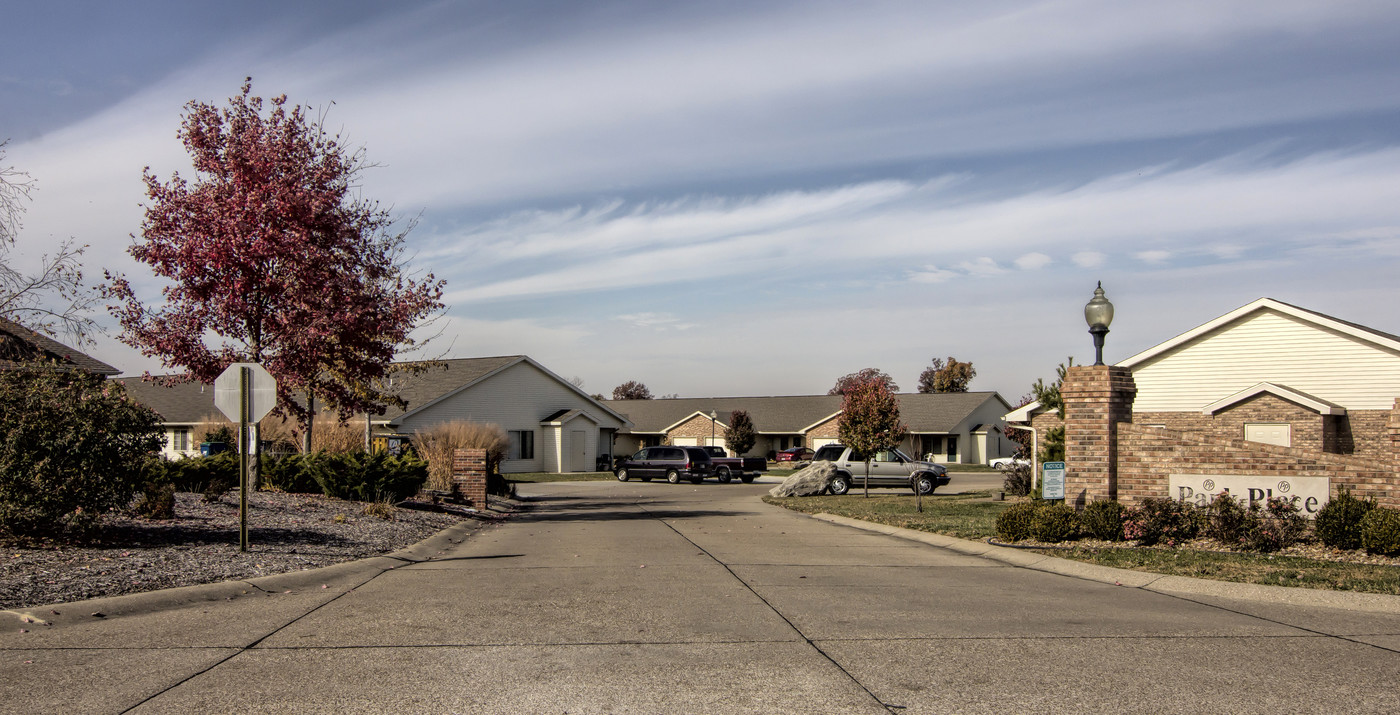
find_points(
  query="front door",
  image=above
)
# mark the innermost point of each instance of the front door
(578, 451)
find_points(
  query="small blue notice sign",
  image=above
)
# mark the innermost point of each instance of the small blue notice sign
(1052, 480)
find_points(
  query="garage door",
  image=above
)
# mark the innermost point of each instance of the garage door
(685, 441)
(819, 442)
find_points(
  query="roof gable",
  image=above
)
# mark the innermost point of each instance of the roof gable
(1261, 305)
(1318, 405)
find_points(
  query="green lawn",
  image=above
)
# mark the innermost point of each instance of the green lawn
(973, 516)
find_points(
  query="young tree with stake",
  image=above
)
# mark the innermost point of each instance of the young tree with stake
(870, 420)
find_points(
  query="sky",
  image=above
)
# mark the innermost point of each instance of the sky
(755, 198)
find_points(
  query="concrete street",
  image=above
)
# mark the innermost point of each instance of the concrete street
(650, 597)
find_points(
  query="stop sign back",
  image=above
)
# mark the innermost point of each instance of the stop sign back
(262, 388)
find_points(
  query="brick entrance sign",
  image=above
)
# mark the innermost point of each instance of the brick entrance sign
(469, 476)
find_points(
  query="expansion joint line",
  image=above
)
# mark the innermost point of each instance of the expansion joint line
(812, 644)
(243, 649)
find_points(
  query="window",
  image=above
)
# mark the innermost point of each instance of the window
(952, 448)
(522, 444)
(180, 439)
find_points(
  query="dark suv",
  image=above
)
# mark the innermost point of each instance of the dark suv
(674, 463)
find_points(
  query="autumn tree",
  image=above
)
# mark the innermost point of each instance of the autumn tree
(950, 376)
(270, 256)
(50, 299)
(740, 436)
(870, 420)
(631, 390)
(847, 382)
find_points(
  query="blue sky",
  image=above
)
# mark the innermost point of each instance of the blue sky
(756, 198)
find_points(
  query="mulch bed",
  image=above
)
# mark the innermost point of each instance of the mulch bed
(286, 532)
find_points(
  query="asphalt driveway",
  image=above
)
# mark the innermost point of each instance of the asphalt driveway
(651, 597)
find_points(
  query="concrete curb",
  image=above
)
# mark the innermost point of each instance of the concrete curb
(1158, 583)
(338, 578)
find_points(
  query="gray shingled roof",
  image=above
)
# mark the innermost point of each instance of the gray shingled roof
(192, 401)
(20, 347)
(931, 413)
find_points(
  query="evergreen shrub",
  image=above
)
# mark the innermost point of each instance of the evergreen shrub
(1054, 522)
(1338, 522)
(72, 447)
(1380, 531)
(1103, 519)
(1014, 524)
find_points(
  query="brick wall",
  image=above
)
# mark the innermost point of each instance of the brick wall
(699, 427)
(830, 429)
(1097, 398)
(469, 476)
(1359, 432)
(1147, 456)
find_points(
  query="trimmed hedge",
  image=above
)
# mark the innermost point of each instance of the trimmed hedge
(1054, 522)
(1103, 519)
(1014, 524)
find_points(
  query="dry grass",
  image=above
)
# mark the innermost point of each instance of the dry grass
(208, 425)
(330, 434)
(438, 444)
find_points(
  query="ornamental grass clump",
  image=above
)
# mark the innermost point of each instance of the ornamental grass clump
(1162, 521)
(1380, 531)
(1103, 520)
(437, 445)
(1338, 523)
(1053, 523)
(1014, 524)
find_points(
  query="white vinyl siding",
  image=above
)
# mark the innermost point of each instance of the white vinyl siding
(516, 398)
(1269, 346)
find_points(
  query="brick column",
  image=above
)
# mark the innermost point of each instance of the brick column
(1097, 398)
(1392, 427)
(469, 476)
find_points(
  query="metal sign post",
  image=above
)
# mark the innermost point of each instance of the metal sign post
(245, 392)
(245, 378)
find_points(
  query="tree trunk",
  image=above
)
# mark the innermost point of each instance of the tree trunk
(310, 418)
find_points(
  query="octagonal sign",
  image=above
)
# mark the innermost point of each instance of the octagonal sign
(262, 390)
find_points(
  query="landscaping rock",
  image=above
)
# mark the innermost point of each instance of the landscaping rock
(808, 482)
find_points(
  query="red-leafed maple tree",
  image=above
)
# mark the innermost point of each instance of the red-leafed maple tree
(271, 258)
(870, 420)
(847, 382)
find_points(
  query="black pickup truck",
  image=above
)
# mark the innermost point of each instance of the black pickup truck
(726, 468)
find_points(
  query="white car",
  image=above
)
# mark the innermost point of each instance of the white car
(1008, 462)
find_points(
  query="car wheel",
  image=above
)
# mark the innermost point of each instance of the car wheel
(840, 484)
(622, 474)
(723, 475)
(746, 478)
(923, 484)
(673, 477)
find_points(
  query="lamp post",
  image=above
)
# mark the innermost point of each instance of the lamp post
(1098, 313)
(713, 416)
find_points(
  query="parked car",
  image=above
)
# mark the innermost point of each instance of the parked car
(888, 468)
(1005, 463)
(673, 463)
(794, 454)
(727, 467)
